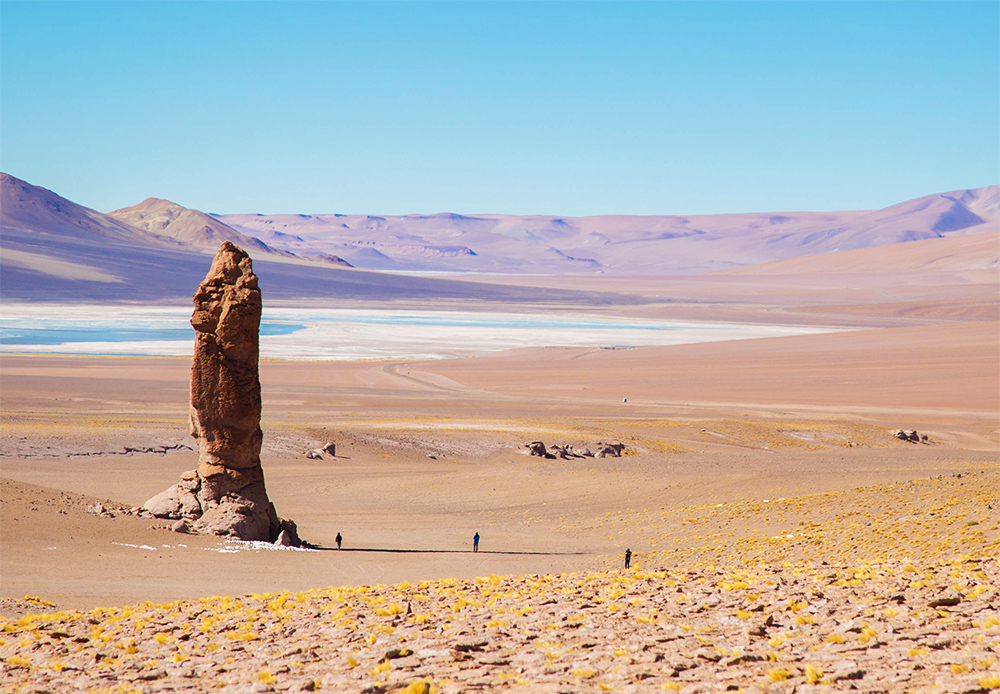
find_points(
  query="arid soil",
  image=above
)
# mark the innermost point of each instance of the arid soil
(907, 601)
(783, 539)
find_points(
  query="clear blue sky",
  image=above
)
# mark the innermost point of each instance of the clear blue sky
(548, 108)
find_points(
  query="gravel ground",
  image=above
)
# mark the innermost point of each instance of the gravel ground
(917, 614)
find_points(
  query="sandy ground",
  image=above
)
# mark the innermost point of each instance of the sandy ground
(429, 453)
(755, 418)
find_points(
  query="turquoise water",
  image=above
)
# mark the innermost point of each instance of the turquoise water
(64, 332)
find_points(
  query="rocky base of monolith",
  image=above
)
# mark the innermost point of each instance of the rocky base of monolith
(244, 514)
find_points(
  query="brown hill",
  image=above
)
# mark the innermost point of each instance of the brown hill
(167, 218)
(48, 215)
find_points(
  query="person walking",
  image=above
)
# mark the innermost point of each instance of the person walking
(628, 558)
(339, 540)
(475, 542)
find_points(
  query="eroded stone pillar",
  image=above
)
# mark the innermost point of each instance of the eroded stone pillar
(226, 494)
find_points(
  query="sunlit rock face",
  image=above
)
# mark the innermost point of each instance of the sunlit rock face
(226, 494)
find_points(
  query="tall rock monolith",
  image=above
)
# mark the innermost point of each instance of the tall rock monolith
(226, 494)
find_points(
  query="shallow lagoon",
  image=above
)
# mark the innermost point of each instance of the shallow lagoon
(348, 334)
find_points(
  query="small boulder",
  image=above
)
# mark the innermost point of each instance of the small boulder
(330, 449)
(234, 518)
(166, 504)
(180, 526)
(178, 501)
(560, 452)
(315, 454)
(536, 448)
(949, 599)
(609, 450)
(288, 535)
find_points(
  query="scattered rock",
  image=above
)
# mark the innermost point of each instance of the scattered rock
(330, 449)
(609, 450)
(537, 448)
(472, 646)
(180, 526)
(847, 674)
(148, 675)
(395, 653)
(949, 600)
(567, 452)
(315, 454)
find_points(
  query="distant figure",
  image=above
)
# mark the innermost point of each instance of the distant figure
(628, 558)
(624, 399)
(339, 540)
(475, 542)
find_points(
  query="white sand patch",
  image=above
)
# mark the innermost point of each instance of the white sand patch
(126, 544)
(233, 546)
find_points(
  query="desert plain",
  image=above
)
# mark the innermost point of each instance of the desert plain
(782, 539)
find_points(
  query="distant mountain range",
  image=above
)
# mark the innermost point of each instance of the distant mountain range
(621, 245)
(198, 229)
(54, 249)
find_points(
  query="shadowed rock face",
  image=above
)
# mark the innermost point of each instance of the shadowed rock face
(226, 494)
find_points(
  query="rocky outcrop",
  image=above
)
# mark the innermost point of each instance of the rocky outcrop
(911, 435)
(329, 448)
(567, 452)
(537, 448)
(609, 450)
(226, 494)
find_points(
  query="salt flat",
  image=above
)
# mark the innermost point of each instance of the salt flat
(355, 334)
